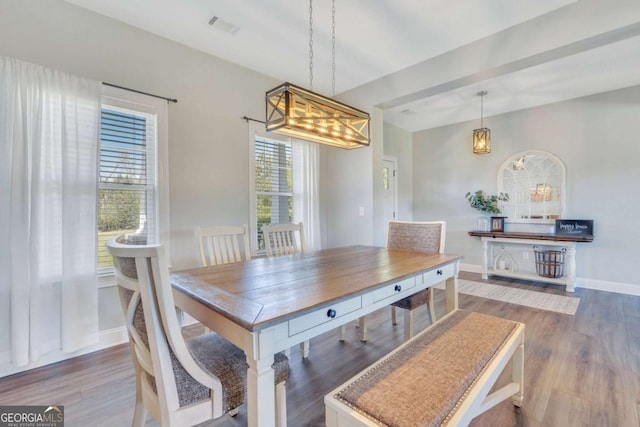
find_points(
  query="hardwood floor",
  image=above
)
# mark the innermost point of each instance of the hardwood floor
(581, 370)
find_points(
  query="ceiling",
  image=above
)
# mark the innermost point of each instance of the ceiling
(390, 54)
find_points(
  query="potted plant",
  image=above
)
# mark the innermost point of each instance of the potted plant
(488, 205)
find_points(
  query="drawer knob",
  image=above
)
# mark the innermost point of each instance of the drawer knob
(331, 313)
(398, 288)
(439, 272)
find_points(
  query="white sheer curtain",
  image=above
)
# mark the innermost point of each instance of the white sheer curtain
(49, 124)
(306, 192)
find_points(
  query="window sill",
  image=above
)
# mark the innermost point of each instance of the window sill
(106, 280)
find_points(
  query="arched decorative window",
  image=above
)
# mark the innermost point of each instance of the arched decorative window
(536, 184)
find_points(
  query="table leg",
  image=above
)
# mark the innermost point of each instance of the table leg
(261, 392)
(452, 289)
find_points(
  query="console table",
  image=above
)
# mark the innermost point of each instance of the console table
(490, 261)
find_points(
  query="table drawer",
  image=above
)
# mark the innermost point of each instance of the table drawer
(394, 288)
(324, 315)
(437, 275)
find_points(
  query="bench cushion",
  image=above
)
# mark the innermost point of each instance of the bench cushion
(423, 382)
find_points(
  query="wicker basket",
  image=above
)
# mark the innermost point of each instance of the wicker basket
(549, 263)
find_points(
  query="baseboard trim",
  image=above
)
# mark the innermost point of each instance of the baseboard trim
(607, 286)
(581, 282)
(471, 268)
(107, 338)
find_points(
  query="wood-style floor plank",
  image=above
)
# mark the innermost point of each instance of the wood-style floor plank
(581, 370)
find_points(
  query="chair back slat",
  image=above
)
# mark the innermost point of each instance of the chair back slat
(284, 239)
(223, 244)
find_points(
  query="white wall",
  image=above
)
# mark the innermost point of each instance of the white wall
(595, 136)
(346, 188)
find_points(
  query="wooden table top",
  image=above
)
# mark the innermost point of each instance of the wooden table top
(264, 291)
(534, 236)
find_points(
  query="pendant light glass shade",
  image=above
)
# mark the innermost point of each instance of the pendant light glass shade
(482, 141)
(302, 114)
(482, 136)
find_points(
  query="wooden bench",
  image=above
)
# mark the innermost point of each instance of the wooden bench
(441, 376)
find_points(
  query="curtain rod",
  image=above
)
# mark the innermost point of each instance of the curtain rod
(247, 119)
(143, 93)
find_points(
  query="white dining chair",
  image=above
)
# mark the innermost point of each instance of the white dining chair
(286, 239)
(223, 244)
(179, 382)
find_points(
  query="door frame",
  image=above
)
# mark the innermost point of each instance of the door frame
(394, 160)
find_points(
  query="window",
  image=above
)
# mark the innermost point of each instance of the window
(273, 185)
(129, 195)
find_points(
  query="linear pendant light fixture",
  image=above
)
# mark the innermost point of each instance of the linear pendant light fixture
(304, 114)
(482, 136)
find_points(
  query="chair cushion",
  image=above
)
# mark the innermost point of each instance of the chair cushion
(213, 354)
(224, 360)
(414, 301)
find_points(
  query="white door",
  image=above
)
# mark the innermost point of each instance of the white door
(389, 188)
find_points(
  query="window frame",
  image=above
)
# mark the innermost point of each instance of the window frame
(123, 99)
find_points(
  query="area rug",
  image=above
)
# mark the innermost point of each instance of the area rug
(539, 300)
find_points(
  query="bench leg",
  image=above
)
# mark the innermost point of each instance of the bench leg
(394, 315)
(518, 374)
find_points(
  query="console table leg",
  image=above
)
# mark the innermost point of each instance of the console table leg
(571, 268)
(485, 259)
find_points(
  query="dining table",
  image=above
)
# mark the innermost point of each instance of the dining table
(269, 304)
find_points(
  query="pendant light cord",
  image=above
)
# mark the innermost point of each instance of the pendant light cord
(310, 44)
(481, 94)
(481, 110)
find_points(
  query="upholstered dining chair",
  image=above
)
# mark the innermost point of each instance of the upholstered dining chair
(223, 244)
(179, 382)
(424, 236)
(284, 239)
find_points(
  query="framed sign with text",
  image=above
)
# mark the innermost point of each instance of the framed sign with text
(574, 227)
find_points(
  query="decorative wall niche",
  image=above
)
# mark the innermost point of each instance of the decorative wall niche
(536, 184)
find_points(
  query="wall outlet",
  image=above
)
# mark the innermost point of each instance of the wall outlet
(361, 211)
(525, 255)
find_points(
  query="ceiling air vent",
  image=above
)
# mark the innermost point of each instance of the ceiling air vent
(222, 25)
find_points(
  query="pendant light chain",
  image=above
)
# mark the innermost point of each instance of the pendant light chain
(481, 94)
(310, 44)
(333, 47)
